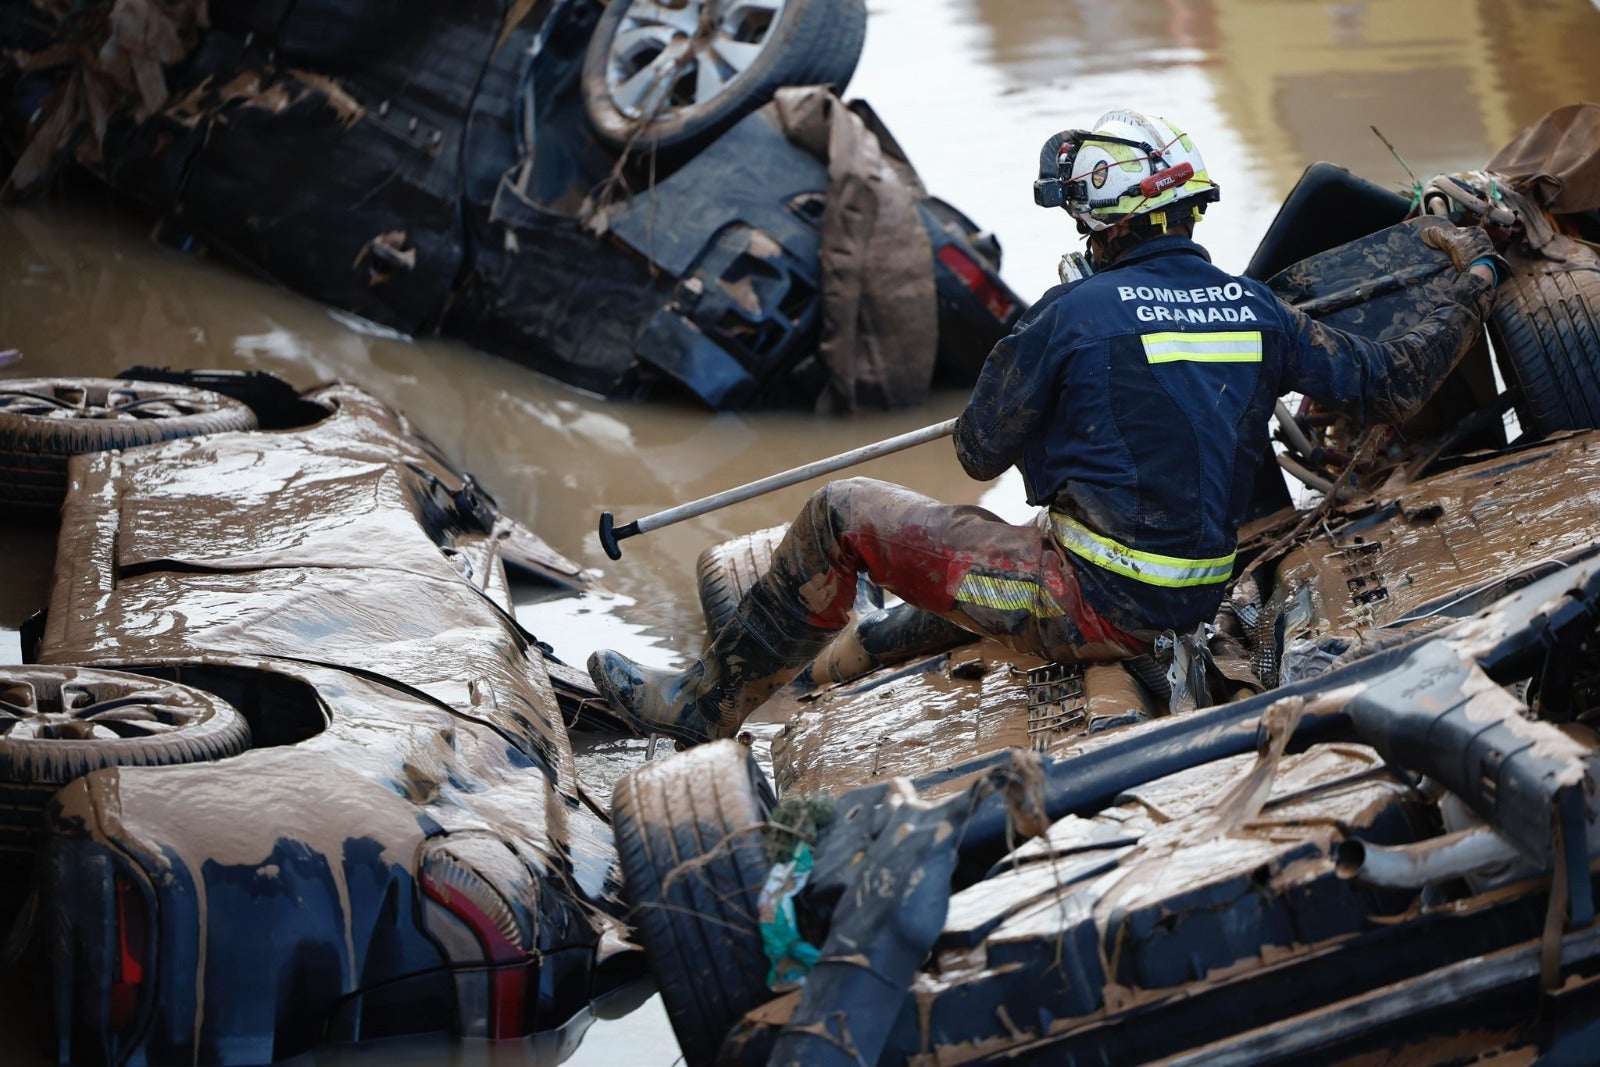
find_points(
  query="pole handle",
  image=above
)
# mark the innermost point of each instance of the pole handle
(610, 534)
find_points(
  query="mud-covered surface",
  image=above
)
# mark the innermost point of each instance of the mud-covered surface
(1409, 556)
(929, 715)
(1556, 159)
(1444, 542)
(1210, 907)
(1099, 894)
(84, 291)
(346, 590)
(1129, 928)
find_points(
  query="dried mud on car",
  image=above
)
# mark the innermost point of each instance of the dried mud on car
(401, 846)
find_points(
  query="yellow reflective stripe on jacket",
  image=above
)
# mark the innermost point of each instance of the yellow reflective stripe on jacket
(1007, 594)
(1170, 572)
(1240, 346)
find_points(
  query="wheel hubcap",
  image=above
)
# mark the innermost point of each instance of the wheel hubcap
(68, 401)
(669, 55)
(79, 712)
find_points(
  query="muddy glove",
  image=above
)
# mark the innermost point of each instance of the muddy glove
(1467, 247)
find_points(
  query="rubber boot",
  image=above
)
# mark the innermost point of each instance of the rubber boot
(889, 635)
(844, 660)
(761, 648)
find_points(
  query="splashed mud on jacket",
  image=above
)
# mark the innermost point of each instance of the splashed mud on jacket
(1140, 427)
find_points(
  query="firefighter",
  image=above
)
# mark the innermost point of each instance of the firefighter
(1135, 400)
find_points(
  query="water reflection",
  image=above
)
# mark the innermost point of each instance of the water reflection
(999, 76)
(574, 626)
(1034, 43)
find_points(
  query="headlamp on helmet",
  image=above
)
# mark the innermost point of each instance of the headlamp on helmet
(1128, 166)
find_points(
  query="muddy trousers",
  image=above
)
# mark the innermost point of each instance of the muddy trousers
(961, 562)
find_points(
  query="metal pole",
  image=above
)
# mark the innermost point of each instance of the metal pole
(610, 533)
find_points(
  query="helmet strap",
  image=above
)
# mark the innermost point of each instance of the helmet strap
(1177, 218)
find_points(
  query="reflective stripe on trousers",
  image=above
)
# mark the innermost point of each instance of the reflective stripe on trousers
(1013, 583)
(1170, 572)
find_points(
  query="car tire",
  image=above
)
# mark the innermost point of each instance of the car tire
(810, 42)
(1546, 333)
(46, 421)
(688, 832)
(725, 573)
(60, 723)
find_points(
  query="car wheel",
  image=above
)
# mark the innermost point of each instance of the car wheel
(688, 833)
(1546, 334)
(45, 421)
(667, 74)
(60, 723)
(725, 572)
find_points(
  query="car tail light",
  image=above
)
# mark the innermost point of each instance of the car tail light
(974, 277)
(466, 896)
(132, 956)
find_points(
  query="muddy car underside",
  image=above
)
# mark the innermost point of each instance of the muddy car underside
(1315, 904)
(1349, 821)
(504, 173)
(402, 848)
(1386, 858)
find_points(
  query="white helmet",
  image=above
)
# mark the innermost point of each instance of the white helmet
(1129, 165)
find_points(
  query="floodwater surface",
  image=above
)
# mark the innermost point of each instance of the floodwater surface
(970, 88)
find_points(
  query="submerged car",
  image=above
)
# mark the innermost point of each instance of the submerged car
(336, 796)
(1354, 819)
(607, 193)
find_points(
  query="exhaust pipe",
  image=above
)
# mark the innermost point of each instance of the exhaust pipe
(1426, 862)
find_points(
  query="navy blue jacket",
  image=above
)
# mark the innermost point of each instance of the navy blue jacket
(1136, 404)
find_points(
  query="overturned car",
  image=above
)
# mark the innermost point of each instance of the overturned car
(1353, 819)
(631, 197)
(282, 766)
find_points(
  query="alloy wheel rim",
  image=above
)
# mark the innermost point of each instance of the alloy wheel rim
(80, 712)
(670, 56)
(71, 401)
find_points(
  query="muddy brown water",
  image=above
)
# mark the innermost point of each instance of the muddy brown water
(971, 88)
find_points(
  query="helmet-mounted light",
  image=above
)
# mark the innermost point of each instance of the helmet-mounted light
(1081, 171)
(1162, 180)
(1053, 187)
(1055, 159)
